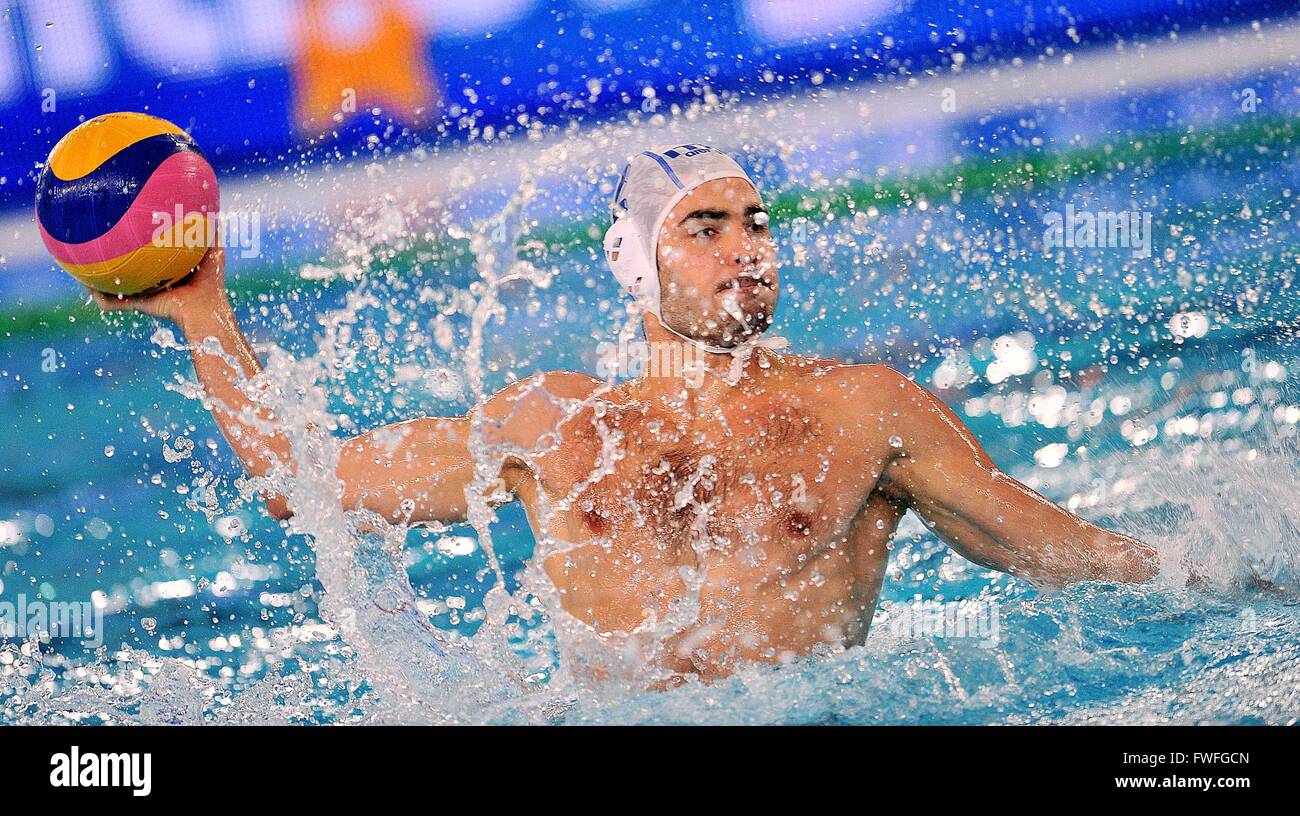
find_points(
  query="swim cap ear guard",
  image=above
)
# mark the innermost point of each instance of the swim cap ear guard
(637, 273)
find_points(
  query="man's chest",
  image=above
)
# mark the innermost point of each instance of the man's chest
(769, 477)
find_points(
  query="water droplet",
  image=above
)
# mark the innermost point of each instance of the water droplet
(895, 441)
(230, 527)
(109, 450)
(456, 545)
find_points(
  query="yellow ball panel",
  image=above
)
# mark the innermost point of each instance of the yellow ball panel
(149, 267)
(89, 144)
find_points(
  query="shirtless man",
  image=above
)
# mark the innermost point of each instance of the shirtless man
(762, 487)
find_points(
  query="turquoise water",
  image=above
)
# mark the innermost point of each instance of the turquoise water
(1157, 396)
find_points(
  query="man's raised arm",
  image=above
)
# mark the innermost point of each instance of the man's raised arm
(408, 472)
(942, 473)
(200, 307)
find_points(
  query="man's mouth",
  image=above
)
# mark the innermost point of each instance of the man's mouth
(745, 282)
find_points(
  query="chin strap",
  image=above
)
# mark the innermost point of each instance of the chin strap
(741, 353)
(743, 348)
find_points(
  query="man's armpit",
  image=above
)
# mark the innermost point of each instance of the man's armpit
(514, 472)
(894, 483)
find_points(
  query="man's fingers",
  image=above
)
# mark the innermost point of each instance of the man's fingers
(98, 298)
(108, 302)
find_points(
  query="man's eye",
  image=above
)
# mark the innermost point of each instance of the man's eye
(757, 227)
(707, 232)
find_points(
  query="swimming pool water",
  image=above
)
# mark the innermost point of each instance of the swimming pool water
(1157, 398)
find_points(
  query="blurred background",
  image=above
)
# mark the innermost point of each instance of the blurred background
(280, 92)
(439, 173)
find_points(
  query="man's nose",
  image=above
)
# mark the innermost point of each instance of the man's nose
(745, 250)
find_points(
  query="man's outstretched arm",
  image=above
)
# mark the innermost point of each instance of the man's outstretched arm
(943, 473)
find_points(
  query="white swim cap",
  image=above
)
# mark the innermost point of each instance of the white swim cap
(652, 183)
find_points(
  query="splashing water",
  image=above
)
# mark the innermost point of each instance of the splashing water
(1154, 432)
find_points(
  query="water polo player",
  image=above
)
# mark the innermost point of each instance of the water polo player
(737, 507)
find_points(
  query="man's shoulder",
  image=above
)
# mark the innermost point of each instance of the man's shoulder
(852, 376)
(540, 395)
(560, 383)
(854, 391)
(870, 404)
(537, 404)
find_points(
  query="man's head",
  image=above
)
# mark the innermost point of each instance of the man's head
(690, 240)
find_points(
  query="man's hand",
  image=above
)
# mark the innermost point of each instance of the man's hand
(203, 289)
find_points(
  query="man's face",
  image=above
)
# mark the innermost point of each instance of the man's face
(717, 264)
